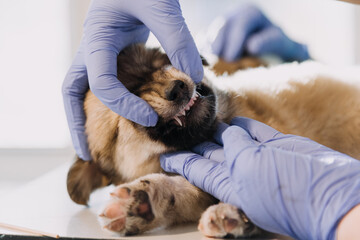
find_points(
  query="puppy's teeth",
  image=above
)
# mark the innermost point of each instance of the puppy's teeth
(187, 108)
(178, 120)
(183, 113)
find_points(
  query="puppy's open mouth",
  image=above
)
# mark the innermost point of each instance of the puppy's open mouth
(183, 114)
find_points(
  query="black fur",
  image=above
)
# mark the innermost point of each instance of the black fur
(136, 64)
(188, 136)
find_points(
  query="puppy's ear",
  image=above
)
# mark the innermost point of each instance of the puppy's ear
(83, 178)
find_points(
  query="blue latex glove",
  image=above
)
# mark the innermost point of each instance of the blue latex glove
(110, 26)
(247, 29)
(284, 183)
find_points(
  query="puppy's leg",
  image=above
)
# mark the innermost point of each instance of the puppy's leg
(83, 178)
(225, 220)
(153, 201)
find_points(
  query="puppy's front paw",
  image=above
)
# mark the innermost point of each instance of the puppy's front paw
(154, 201)
(225, 220)
(129, 212)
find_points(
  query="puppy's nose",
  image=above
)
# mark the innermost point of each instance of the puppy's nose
(177, 90)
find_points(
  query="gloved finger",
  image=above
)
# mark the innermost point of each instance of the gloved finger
(210, 176)
(237, 33)
(168, 25)
(238, 141)
(298, 144)
(221, 127)
(74, 88)
(177, 161)
(218, 45)
(229, 43)
(272, 40)
(210, 150)
(264, 133)
(238, 27)
(102, 70)
(110, 25)
(257, 130)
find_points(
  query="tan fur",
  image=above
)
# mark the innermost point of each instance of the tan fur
(129, 154)
(324, 110)
(115, 141)
(84, 178)
(222, 66)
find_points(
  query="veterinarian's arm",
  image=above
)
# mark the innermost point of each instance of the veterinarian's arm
(284, 183)
(110, 26)
(247, 29)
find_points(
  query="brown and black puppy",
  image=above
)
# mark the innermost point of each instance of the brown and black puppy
(128, 154)
(124, 151)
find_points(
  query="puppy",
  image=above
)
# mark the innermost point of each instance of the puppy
(124, 151)
(127, 154)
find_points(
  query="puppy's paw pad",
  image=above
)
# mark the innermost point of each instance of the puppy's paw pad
(230, 224)
(115, 209)
(141, 206)
(129, 210)
(123, 192)
(223, 220)
(116, 225)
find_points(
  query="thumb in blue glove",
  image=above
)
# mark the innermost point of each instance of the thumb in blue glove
(110, 26)
(248, 30)
(284, 183)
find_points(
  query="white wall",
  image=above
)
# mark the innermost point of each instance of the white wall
(38, 39)
(34, 54)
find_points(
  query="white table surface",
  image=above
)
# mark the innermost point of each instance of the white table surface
(44, 205)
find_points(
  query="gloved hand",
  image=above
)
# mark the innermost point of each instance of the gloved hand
(247, 29)
(284, 183)
(110, 26)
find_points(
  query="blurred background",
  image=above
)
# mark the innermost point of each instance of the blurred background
(39, 38)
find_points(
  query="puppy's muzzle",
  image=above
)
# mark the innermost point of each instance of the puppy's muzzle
(178, 91)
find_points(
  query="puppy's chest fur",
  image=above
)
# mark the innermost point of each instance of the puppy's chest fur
(123, 150)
